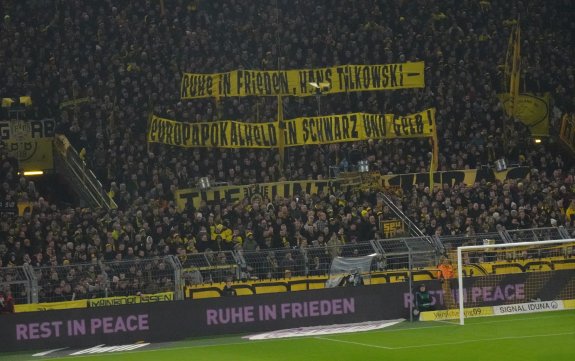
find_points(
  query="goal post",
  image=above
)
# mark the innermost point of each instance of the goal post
(526, 276)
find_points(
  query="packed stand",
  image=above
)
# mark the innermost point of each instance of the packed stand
(127, 58)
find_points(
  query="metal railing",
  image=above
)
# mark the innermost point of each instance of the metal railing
(535, 234)
(407, 253)
(83, 180)
(412, 228)
(93, 280)
(209, 267)
(172, 273)
(70, 282)
(148, 276)
(17, 280)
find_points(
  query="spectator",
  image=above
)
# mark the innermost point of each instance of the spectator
(446, 274)
(228, 290)
(126, 59)
(6, 303)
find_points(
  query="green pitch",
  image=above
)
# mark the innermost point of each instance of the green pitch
(541, 336)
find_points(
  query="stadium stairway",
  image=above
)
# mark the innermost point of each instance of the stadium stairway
(67, 162)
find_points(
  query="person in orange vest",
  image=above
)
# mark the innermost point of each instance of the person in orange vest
(445, 273)
(445, 269)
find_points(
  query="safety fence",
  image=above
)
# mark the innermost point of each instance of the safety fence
(306, 267)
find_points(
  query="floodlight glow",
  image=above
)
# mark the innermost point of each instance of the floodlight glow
(33, 172)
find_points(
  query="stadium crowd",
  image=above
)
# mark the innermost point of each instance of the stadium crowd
(115, 62)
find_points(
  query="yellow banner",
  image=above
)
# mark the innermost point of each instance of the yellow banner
(338, 79)
(222, 134)
(531, 109)
(130, 300)
(356, 127)
(64, 305)
(236, 193)
(297, 132)
(453, 314)
(569, 304)
(392, 228)
(29, 141)
(24, 206)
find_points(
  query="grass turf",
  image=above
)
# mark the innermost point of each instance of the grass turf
(541, 336)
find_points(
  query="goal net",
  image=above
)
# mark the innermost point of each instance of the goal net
(512, 278)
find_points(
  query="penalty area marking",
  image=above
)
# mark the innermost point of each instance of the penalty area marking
(447, 343)
(40, 354)
(354, 343)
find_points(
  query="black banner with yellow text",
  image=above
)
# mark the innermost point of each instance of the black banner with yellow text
(235, 193)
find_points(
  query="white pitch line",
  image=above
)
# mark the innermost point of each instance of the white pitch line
(180, 347)
(447, 323)
(505, 320)
(48, 352)
(446, 343)
(354, 343)
(483, 339)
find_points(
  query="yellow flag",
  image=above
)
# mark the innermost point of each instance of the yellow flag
(435, 156)
(515, 77)
(280, 133)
